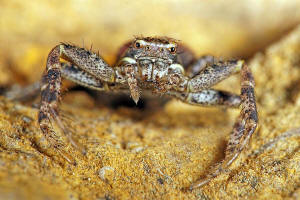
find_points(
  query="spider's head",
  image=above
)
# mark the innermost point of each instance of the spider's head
(154, 48)
(156, 57)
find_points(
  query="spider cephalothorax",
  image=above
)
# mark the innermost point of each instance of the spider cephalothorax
(156, 64)
(152, 61)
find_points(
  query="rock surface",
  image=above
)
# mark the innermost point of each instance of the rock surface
(133, 155)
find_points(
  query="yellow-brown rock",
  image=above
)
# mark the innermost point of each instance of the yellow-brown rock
(131, 155)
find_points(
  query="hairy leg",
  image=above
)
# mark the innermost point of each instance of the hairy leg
(50, 89)
(242, 129)
(212, 74)
(87, 61)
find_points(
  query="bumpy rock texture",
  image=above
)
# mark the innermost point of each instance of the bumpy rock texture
(132, 154)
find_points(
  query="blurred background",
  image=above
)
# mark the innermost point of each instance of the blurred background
(232, 28)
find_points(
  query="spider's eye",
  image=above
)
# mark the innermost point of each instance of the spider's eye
(137, 45)
(172, 49)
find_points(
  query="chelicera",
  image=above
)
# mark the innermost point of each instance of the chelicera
(158, 64)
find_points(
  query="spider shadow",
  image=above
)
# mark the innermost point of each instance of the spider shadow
(156, 110)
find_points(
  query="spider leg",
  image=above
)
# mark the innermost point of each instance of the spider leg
(49, 111)
(51, 86)
(243, 128)
(77, 75)
(209, 97)
(212, 74)
(87, 61)
(81, 77)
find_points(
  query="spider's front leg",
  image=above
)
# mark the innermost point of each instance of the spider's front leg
(242, 129)
(90, 64)
(197, 92)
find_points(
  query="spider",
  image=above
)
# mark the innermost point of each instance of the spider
(160, 65)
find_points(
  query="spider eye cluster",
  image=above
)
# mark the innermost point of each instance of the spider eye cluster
(171, 47)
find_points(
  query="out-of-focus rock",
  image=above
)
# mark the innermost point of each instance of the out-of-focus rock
(28, 30)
